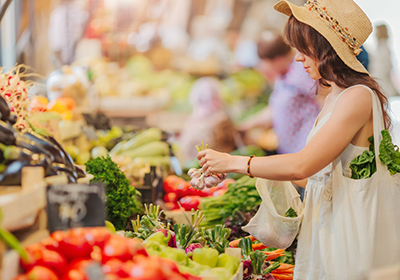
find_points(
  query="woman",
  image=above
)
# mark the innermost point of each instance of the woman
(332, 245)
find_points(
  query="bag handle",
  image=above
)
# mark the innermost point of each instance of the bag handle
(378, 127)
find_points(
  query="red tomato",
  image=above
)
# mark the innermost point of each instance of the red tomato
(146, 269)
(114, 266)
(50, 244)
(191, 277)
(168, 266)
(22, 277)
(135, 247)
(74, 274)
(189, 202)
(116, 247)
(42, 273)
(172, 205)
(171, 182)
(171, 197)
(73, 244)
(97, 236)
(34, 254)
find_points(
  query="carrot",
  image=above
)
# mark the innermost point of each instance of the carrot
(235, 242)
(285, 266)
(282, 276)
(273, 256)
(259, 246)
(283, 271)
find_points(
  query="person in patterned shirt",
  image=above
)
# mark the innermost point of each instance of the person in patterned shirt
(294, 103)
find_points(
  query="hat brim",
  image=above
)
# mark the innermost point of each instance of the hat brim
(308, 17)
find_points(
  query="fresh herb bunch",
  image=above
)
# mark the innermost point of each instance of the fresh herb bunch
(122, 199)
(241, 196)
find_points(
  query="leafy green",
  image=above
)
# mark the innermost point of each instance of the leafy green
(122, 199)
(364, 165)
(241, 196)
(389, 153)
(217, 237)
(291, 213)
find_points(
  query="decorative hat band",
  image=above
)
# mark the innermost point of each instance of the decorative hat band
(333, 24)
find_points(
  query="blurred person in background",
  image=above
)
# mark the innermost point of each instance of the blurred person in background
(66, 25)
(208, 121)
(294, 103)
(381, 66)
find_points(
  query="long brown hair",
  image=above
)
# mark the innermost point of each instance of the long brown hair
(331, 68)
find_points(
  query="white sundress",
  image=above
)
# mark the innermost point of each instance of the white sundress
(313, 260)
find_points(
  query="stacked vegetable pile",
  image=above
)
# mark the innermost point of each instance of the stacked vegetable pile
(36, 148)
(257, 260)
(122, 199)
(145, 148)
(234, 208)
(95, 253)
(178, 190)
(197, 251)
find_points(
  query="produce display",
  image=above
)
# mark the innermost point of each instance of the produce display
(178, 190)
(84, 253)
(234, 208)
(198, 251)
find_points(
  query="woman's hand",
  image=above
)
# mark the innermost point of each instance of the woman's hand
(215, 162)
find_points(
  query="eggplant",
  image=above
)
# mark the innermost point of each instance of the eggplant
(33, 147)
(4, 109)
(11, 176)
(7, 134)
(47, 145)
(68, 159)
(62, 168)
(80, 172)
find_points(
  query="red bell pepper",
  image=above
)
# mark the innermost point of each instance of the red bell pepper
(42, 273)
(189, 202)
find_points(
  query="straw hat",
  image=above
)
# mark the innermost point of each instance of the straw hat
(342, 23)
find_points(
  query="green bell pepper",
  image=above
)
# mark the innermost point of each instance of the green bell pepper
(206, 256)
(229, 262)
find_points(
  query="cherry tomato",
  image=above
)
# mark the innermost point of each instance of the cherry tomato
(50, 244)
(42, 273)
(135, 247)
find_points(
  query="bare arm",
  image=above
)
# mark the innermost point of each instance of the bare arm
(326, 145)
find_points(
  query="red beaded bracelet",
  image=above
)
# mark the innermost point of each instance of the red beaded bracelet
(248, 166)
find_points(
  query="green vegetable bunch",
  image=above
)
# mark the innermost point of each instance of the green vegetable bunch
(364, 165)
(241, 196)
(122, 199)
(217, 237)
(291, 213)
(389, 153)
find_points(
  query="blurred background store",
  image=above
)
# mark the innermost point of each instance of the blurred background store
(135, 61)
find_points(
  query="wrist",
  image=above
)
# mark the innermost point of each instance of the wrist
(239, 164)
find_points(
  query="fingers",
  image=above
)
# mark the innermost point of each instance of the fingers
(201, 154)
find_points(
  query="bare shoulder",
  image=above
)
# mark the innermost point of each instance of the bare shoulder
(355, 101)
